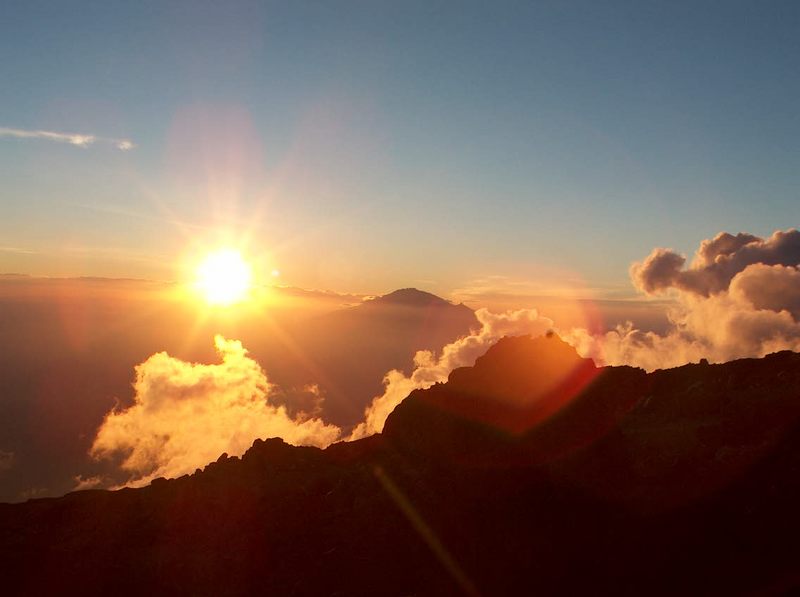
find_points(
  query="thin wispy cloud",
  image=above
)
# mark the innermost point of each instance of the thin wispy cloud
(77, 139)
(18, 250)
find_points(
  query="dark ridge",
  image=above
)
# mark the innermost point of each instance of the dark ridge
(593, 481)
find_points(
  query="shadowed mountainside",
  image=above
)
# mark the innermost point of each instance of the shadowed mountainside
(593, 480)
(347, 352)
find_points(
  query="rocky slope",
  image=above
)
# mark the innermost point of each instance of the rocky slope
(593, 480)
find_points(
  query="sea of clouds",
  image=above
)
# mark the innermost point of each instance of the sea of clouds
(739, 297)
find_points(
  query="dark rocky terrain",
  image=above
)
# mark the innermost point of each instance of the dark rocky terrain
(530, 473)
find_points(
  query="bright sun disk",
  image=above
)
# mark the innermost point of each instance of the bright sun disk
(224, 277)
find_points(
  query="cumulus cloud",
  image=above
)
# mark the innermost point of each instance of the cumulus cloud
(77, 139)
(716, 262)
(769, 287)
(185, 415)
(740, 297)
(430, 368)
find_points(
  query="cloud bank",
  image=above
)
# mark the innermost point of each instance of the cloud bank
(740, 297)
(186, 414)
(430, 369)
(77, 139)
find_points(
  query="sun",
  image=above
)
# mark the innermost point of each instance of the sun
(224, 277)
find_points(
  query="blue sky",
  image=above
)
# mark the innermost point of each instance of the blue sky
(373, 145)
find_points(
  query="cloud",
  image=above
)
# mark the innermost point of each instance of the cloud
(82, 483)
(77, 139)
(18, 250)
(739, 298)
(769, 287)
(430, 369)
(546, 282)
(715, 264)
(186, 414)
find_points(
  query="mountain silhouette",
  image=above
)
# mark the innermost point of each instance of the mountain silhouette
(592, 480)
(347, 352)
(411, 297)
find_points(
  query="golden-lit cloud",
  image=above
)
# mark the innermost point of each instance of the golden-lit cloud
(727, 305)
(716, 262)
(430, 368)
(185, 415)
(77, 139)
(739, 298)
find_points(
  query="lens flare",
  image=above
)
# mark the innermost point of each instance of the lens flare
(224, 277)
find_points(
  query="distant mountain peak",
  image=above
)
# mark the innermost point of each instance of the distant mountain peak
(411, 297)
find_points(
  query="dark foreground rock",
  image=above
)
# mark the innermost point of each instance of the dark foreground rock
(531, 473)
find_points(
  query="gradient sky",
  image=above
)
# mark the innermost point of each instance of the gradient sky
(373, 145)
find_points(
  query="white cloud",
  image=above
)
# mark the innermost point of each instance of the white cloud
(77, 139)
